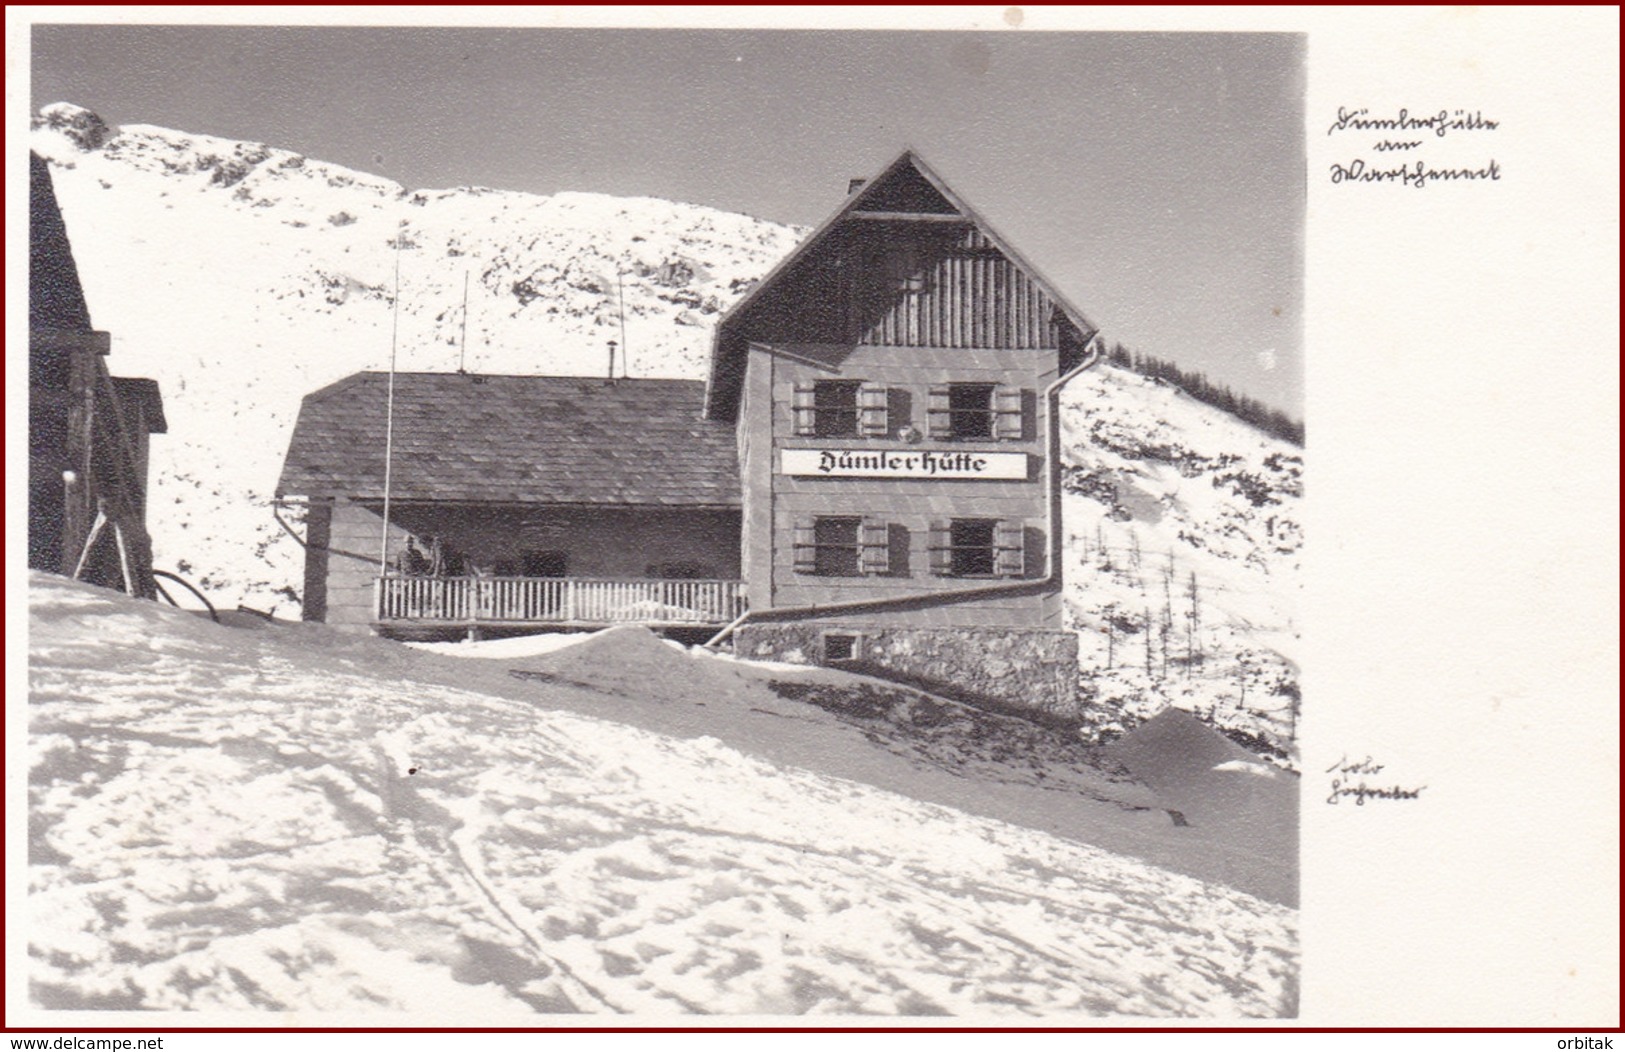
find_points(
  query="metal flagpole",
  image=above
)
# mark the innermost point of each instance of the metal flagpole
(462, 349)
(389, 403)
(626, 350)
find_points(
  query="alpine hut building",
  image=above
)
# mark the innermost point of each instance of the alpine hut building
(869, 477)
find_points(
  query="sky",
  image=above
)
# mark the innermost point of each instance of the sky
(1156, 179)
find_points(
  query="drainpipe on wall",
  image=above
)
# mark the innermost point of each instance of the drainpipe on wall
(1052, 509)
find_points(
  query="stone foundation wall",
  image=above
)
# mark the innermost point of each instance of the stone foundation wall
(1033, 672)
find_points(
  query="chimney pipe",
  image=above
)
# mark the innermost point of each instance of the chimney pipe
(854, 185)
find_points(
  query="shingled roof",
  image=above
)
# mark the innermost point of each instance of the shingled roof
(514, 439)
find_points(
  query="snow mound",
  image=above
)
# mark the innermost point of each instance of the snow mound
(294, 820)
(1262, 770)
(633, 660)
(1176, 743)
(1213, 783)
(514, 647)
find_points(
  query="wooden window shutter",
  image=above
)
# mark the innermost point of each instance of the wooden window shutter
(804, 408)
(940, 549)
(1009, 422)
(875, 550)
(872, 419)
(1009, 549)
(939, 422)
(806, 547)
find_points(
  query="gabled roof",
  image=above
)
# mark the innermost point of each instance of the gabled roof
(514, 439)
(55, 298)
(907, 185)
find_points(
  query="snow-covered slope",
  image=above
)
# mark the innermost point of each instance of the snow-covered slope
(279, 817)
(241, 277)
(1183, 541)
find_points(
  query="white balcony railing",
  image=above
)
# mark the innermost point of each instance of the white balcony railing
(557, 600)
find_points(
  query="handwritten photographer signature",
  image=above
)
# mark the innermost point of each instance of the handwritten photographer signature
(1345, 786)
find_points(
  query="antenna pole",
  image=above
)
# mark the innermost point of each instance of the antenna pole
(626, 349)
(389, 404)
(462, 347)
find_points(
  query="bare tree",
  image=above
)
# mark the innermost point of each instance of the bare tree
(1150, 674)
(1193, 644)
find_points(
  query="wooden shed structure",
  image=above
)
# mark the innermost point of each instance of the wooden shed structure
(88, 430)
(514, 502)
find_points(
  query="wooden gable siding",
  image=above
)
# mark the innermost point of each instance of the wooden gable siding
(897, 283)
(963, 293)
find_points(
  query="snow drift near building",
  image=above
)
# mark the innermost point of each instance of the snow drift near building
(285, 819)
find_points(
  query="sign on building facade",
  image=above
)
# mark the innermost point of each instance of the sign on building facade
(903, 464)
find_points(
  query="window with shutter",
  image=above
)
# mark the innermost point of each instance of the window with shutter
(970, 411)
(1009, 549)
(978, 548)
(806, 547)
(939, 422)
(835, 408)
(973, 547)
(805, 409)
(829, 546)
(876, 547)
(1009, 423)
(872, 418)
(940, 549)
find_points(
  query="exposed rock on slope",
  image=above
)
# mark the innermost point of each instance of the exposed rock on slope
(1183, 537)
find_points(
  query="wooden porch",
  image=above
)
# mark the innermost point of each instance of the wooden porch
(581, 602)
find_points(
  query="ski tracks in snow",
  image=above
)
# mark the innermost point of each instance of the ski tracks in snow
(238, 825)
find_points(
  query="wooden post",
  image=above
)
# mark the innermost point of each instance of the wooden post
(72, 526)
(124, 561)
(90, 542)
(80, 493)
